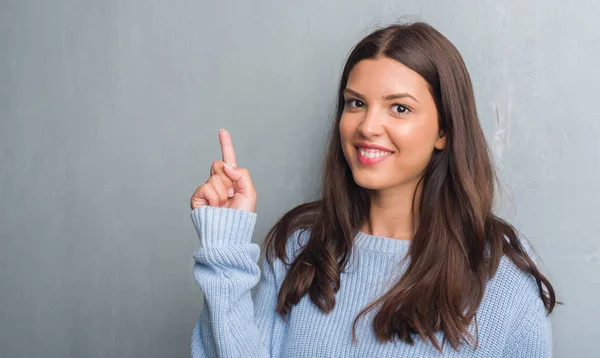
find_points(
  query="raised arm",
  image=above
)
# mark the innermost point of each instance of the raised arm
(232, 324)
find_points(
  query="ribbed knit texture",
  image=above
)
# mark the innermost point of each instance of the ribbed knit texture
(239, 318)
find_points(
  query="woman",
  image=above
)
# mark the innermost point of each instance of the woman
(402, 256)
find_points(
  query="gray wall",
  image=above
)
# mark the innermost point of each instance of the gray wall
(109, 112)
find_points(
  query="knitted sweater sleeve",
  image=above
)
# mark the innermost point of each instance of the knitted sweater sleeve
(235, 321)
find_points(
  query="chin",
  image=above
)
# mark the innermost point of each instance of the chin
(369, 183)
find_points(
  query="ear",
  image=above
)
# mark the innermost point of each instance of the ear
(440, 144)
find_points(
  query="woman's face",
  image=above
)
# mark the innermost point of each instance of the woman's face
(389, 126)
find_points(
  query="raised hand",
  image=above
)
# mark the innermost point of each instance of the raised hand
(228, 186)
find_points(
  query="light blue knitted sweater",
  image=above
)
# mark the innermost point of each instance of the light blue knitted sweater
(239, 319)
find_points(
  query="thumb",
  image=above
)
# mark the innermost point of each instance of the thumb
(242, 181)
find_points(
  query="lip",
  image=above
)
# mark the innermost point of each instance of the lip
(372, 146)
(369, 161)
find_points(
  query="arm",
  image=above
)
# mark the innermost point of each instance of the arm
(232, 324)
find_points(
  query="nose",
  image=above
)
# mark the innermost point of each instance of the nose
(372, 123)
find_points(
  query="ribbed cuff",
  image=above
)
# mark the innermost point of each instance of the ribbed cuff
(223, 226)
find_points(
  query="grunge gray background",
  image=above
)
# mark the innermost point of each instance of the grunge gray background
(109, 112)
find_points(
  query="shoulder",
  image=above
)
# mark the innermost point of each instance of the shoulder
(292, 231)
(296, 242)
(513, 285)
(513, 297)
(517, 287)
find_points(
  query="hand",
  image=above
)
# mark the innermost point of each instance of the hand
(228, 186)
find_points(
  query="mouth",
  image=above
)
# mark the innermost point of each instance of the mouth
(369, 156)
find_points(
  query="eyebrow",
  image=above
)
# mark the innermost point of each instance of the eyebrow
(387, 98)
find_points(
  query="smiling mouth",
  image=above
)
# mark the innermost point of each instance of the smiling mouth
(373, 153)
(371, 156)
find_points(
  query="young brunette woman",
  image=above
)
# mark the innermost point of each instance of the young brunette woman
(402, 255)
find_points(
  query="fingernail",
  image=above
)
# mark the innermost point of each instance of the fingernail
(230, 192)
(227, 165)
(221, 129)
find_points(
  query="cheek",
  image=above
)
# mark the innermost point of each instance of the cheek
(415, 143)
(346, 129)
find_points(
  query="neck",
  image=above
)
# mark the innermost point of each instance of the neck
(390, 214)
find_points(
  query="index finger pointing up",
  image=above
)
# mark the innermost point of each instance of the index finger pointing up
(227, 147)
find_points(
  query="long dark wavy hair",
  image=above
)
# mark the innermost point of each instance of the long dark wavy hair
(459, 240)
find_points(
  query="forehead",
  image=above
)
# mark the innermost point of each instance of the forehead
(383, 76)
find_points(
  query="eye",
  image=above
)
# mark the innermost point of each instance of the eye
(402, 109)
(354, 103)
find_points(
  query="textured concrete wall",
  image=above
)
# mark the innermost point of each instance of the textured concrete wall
(109, 112)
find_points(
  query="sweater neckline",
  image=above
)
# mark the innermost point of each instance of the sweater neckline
(380, 244)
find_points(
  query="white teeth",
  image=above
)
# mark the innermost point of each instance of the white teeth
(372, 153)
